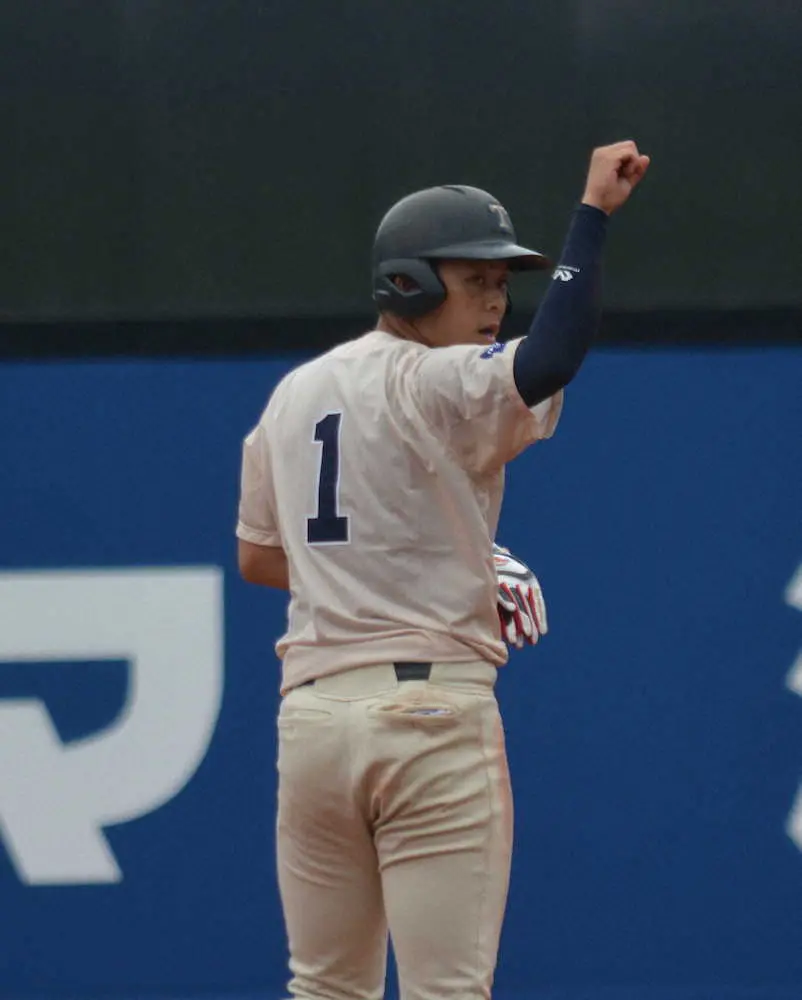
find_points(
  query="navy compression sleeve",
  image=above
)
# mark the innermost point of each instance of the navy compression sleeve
(568, 318)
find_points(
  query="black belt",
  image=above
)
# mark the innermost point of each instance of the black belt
(403, 672)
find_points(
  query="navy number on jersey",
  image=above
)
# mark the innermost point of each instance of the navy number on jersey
(328, 525)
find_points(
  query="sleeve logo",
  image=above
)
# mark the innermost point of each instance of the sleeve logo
(564, 273)
(494, 349)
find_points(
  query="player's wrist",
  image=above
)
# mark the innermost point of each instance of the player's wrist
(591, 201)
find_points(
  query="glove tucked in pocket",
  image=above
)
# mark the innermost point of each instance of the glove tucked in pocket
(521, 607)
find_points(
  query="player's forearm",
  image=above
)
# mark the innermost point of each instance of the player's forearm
(567, 321)
(264, 565)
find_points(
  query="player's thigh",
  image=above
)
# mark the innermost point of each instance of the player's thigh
(445, 844)
(327, 868)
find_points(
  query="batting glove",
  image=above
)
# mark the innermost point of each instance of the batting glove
(521, 608)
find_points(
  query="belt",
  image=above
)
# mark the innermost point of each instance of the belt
(403, 672)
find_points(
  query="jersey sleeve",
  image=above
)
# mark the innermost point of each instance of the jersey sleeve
(256, 520)
(467, 394)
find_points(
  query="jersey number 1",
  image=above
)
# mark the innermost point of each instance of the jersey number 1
(328, 525)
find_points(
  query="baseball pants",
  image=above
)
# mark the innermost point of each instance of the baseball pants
(394, 816)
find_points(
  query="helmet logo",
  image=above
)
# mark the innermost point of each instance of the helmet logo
(503, 219)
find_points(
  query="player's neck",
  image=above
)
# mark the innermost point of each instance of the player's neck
(401, 328)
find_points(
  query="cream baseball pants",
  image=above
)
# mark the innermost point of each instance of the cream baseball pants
(394, 817)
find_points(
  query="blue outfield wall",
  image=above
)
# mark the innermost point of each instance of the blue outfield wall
(655, 736)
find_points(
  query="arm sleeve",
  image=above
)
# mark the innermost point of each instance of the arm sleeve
(568, 319)
(491, 403)
(257, 503)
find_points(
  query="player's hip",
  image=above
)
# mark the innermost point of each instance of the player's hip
(370, 680)
(392, 722)
(304, 661)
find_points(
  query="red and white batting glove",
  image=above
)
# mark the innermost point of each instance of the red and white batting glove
(521, 608)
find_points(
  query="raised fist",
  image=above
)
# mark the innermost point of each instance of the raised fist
(613, 174)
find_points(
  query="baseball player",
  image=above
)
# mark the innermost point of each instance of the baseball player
(370, 490)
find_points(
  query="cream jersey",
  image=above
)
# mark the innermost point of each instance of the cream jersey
(379, 468)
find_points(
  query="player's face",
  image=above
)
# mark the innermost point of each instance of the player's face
(475, 303)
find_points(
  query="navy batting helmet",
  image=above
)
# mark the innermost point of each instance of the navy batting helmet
(454, 222)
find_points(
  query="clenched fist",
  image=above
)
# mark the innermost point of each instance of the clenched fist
(613, 174)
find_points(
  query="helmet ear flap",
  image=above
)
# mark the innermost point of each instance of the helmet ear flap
(427, 294)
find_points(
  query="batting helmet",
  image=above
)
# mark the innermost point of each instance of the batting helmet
(454, 222)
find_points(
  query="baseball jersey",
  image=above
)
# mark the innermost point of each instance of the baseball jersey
(379, 468)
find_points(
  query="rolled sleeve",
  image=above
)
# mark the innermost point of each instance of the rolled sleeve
(468, 395)
(256, 519)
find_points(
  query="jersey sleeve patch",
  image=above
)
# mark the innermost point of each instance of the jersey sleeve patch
(494, 349)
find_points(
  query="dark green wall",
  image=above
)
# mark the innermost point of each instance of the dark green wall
(202, 158)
